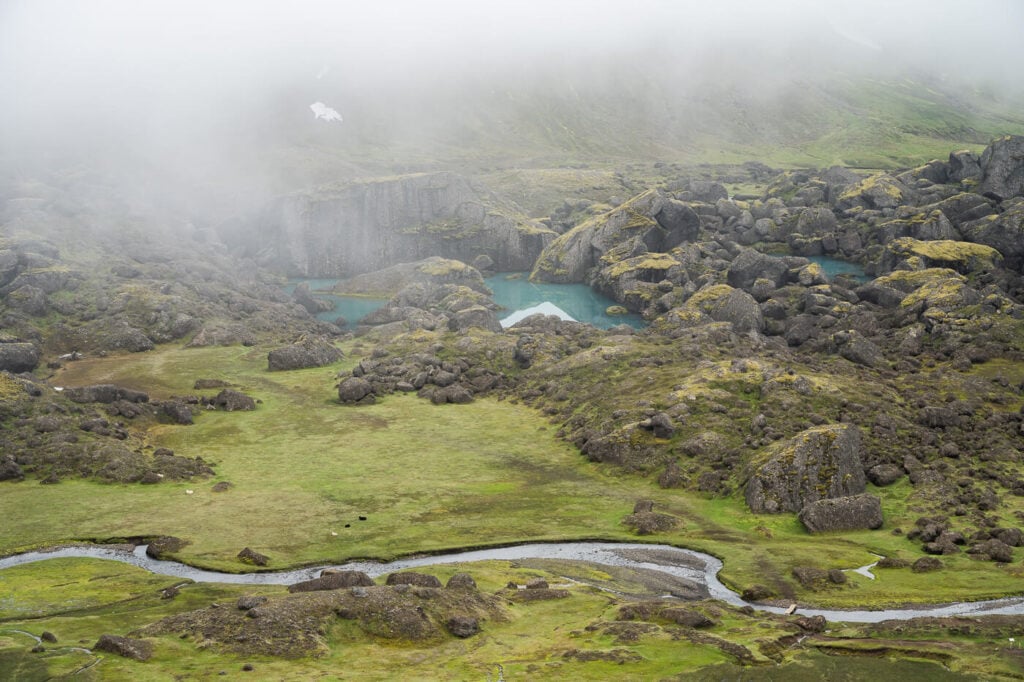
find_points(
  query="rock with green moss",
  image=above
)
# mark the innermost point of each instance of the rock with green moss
(715, 303)
(1003, 232)
(822, 462)
(877, 192)
(964, 257)
(853, 512)
(1002, 166)
(648, 223)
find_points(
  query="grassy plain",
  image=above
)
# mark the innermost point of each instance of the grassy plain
(428, 478)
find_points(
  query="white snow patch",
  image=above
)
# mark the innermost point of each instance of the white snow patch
(546, 307)
(321, 110)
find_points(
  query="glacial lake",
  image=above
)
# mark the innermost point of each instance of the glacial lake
(512, 291)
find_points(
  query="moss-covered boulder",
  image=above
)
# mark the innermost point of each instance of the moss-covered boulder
(648, 223)
(1002, 167)
(1003, 231)
(879, 191)
(715, 303)
(308, 352)
(853, 512)
(966, 258)
(822, 462)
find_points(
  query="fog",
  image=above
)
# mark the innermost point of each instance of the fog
(215, 97)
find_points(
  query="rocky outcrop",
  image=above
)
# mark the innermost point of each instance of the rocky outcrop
(105, 393)
(135, 649)
(1002, 167)
(358, 227)
(717, 303)
(18, 357)
(1002, 231)
(823, 462)
(855, 512)
(335, 580)
(233, 401)
(309, 352)
(649, 223)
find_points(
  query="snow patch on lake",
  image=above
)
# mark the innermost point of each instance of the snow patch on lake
(546, 308)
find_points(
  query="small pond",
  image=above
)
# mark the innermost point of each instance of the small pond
(835, 266)
(512, 291)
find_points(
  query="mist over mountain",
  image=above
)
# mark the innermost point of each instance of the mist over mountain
(210, 105)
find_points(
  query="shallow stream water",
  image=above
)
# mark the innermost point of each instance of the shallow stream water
(697, 567)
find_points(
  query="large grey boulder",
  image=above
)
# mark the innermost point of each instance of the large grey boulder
(335, 580)
(1003, 232)
(1002, 167)
(18, 357)
(822, 462)
(963, 165)
(355, 390)
(750, 265)
(854, 512)
(135, 649)
(105, 393)
(310, 352)
(648, 222)
(474, 316)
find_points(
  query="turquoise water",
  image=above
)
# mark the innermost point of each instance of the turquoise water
(516, 292)
(352, 308)
(512, 292)
(834, 266)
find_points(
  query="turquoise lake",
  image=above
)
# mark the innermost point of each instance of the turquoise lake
(512, 291)
(834, 266)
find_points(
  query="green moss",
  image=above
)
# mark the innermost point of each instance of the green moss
(648, 261)
(440, 267)
(946, 250)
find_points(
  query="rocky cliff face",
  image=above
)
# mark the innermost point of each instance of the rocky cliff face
(365, 226)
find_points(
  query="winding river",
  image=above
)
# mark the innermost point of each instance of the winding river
(695, 567)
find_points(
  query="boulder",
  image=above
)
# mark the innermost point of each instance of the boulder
(304, 297)
(963, 165)
(1002, 167)
(333, 581)
(855, 512)
(164, 546)
(716, 303)
(1003, 232)
(250, 601)
(926, 564)
(857, 349)
(690, 618)
(884, 474)
(135, 649)
(463, 626)
(822, 462)
(461, 581)
(10, 470)
(995, 550)
(750, 265)
(105, 393)
(177, 411)
(413, 578)
(355, 390)
(310, 352)
(231, 401)
(248, 556)
(18, 357)
(474, 316)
